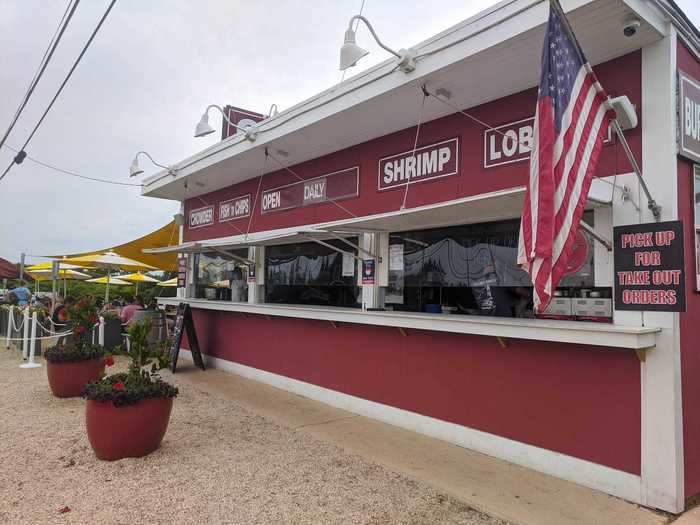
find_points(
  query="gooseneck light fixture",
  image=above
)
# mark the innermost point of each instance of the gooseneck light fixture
(136, 169)
(351, 53)
(203, 128)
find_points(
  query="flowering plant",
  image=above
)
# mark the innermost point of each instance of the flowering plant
(78, 346)
(142, 380)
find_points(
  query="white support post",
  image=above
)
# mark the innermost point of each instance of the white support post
(32, 346)
(10, 321)
(101, 332)
(25, 334)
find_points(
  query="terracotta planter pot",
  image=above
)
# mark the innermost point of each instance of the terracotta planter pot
(68, 379)
(130, 431)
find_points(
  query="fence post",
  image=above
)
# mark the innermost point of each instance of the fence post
(10, 323)
(32, 345)
(25, 336)
(101, 332)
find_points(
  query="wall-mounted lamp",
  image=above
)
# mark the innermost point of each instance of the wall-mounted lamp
(273, 111)
(203, 128)
(351, 53)
(136, 169)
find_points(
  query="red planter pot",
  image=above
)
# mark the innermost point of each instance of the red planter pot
(68, 379)
(130, 431)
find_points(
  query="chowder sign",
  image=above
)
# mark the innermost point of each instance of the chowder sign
(201, 217)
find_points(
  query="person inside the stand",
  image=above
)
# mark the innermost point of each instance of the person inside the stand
(61, 315)
(128, 311)
(24, 296)
(239, 286)
(490, 298)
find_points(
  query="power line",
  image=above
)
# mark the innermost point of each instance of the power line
(72, 173)
(53, 44)
(22, 154)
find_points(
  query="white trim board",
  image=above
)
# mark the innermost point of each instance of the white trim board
(589, 474)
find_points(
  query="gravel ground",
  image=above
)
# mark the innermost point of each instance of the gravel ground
(219, 463)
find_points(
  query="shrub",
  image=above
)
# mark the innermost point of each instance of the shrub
(70, 353)
(82, 317)
(142, 380)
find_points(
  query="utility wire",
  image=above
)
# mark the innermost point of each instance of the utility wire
(22, 154)
(72, 173)
(53, 44)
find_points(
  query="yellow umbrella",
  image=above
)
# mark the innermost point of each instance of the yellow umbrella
(137, 278)
(45, 275)
(48, 266)
(107, 280)
(170, 283)
(109, 260)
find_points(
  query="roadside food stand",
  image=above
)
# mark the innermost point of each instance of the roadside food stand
(389, 203)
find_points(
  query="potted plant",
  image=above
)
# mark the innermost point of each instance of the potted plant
(127, 413)
(76, 361)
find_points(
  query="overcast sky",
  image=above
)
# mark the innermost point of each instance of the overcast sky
(143, 84)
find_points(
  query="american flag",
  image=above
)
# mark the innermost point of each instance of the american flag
(571, 121)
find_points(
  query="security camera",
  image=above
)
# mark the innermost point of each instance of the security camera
(630, 27)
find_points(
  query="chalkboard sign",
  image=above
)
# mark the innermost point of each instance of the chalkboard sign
(649, 267)
(184, 321)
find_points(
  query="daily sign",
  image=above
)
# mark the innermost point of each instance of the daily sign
(689, 118)
(338, 185)
(649, 265)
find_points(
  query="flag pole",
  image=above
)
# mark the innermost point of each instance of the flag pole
(651, 202)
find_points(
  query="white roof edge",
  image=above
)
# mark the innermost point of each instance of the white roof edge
(480, 22)
(500, 12)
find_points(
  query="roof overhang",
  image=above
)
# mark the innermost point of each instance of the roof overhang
(503, 44)
(485, 207)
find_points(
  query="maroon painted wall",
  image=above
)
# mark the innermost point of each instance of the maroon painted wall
(690, 320)
(619, 76)
(579, 400)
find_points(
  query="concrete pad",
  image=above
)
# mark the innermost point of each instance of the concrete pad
(692, 517)
(491, 485)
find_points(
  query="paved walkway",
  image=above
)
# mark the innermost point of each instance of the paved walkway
(493, 486)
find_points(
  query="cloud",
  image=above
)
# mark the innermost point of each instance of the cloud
(144, 83)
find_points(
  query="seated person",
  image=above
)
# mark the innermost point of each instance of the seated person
(127, 312)
(61, 315)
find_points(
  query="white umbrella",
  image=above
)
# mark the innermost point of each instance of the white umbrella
(109, 260)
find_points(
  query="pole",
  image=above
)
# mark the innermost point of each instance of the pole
(21, 265)
(32, 346)
(10, 322)
(25, 336)
(101, 332)
(651, 202)
(109, 273)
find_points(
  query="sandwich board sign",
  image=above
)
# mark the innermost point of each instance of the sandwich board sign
(184, 321)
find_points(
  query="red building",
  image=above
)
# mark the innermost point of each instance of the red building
(372, 264)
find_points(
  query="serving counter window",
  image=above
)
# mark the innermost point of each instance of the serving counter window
(472, 270)
(220, 277)
(311, 274)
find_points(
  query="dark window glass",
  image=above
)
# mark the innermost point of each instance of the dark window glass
(470, 269)
(213, 272)
(310, 273)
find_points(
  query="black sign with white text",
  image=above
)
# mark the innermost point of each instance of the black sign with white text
(649, 267)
